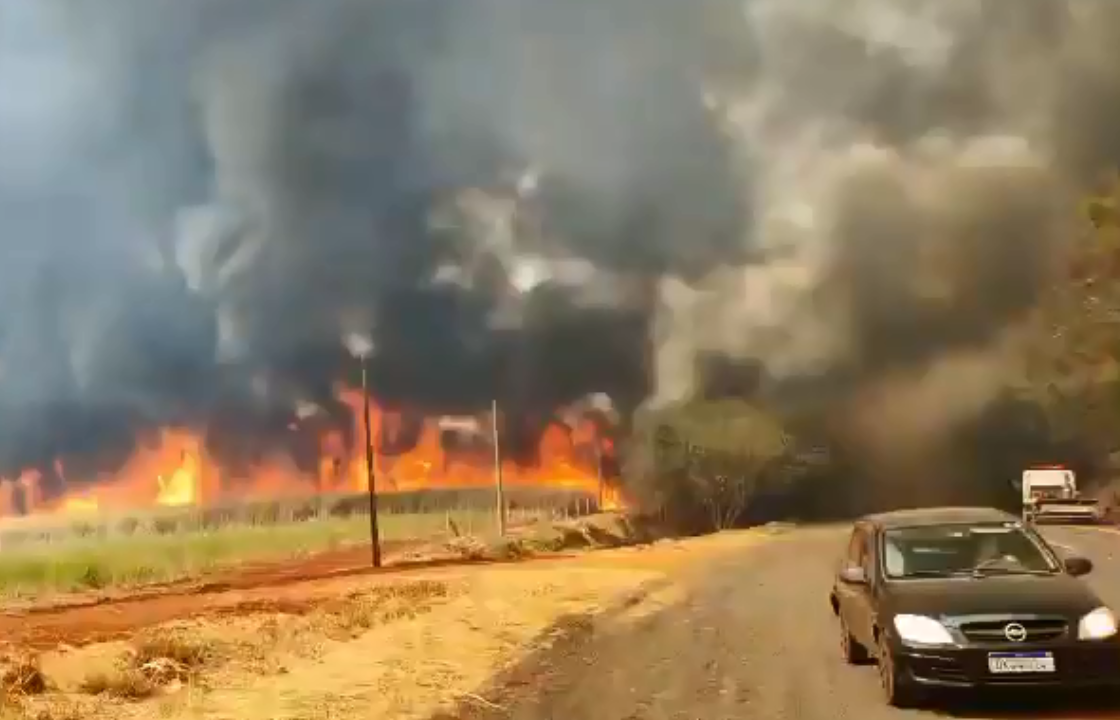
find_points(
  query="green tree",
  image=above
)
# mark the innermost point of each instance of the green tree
(1073, 346)
(704, 462)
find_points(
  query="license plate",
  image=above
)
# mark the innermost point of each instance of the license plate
(1011, 663)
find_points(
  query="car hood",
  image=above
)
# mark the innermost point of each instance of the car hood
(994, 594)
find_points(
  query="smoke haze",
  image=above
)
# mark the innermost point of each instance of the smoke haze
(201, 199)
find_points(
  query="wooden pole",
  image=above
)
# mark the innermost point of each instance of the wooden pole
(498, 480)
(374, 533)
(599, 472)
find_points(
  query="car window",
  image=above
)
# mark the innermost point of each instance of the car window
(962, 549)
(866, 555)
(894, 562)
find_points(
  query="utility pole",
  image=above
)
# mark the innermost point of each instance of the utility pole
(374, 533)
(498, 480)
(599, 470)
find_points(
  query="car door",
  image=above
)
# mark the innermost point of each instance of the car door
(863, 627)
(853, 598)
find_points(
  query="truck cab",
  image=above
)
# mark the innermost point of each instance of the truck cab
(1050, 494)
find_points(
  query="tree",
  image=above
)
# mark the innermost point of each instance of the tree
(1073, 359)
(705, 462)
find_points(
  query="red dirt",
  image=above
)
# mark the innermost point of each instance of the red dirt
(293, 587)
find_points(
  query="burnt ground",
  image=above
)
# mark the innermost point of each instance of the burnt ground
(751, 636)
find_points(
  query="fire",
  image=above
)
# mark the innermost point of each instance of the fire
(180, 489)
(612, 499)
(173, 469)
(77, 505)
(427, 465)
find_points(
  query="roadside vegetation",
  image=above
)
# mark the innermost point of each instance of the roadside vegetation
(69, 553)
(371, 647)
(702, 465)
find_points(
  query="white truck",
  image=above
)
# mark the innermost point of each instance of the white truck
(1050, 495)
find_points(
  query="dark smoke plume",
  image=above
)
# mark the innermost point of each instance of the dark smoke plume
(201, 198)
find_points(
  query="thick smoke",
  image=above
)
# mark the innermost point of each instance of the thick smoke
(915, 169)
(201, 199)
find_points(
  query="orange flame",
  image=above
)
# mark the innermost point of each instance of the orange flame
(173, 469)
(428, 466)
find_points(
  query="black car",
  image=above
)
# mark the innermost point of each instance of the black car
(969, 598)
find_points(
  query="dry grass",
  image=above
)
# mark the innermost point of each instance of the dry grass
(125, 684)
(184, 651)
(52, 711)
(362, 611)
(402, 649)
(22, 677)
(162, 662)
(593, 532)
(399, 650)
(21, 681)
(155, 662)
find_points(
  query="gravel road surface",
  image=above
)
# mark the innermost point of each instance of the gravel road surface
(751, 637)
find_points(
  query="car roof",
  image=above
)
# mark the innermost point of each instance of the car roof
(925, 517)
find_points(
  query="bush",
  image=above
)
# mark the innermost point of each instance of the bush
(165, 525)
(214, 518)
(82, 529)
(128, 525)
(349, 505)
(699, 465)
(303, 513)
(266, 514)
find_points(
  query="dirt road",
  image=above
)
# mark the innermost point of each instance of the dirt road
(747, 636)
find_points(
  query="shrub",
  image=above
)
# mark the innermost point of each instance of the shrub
(128, 525)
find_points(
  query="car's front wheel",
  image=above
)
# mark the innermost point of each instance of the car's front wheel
(853, 651)
(897, 689)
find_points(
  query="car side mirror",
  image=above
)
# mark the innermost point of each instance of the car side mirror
(853, 575)
(1078, 566)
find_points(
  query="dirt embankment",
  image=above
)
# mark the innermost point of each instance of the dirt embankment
(295, 587)
(390, 645)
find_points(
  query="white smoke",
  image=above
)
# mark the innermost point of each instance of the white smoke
(360, 346)
(814, 124)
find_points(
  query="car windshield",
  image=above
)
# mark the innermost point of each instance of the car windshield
(975, 549)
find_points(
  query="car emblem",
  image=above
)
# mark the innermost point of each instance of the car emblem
(1015, 632)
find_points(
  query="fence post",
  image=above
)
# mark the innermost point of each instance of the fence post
(498, 481)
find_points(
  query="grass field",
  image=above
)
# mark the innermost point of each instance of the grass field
(67, 553)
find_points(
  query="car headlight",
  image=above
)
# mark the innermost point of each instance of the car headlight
(1097, 625)
(921, 630)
